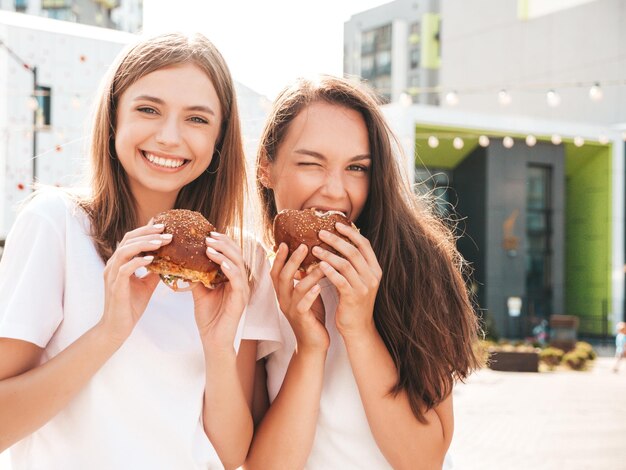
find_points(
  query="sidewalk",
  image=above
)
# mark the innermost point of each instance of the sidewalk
(541, 421)
(537, 421)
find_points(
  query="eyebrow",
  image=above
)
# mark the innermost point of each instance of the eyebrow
(156, 100)
(319, 156)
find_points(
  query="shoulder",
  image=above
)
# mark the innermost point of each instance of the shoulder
(50, 202)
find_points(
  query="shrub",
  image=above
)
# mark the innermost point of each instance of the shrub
(551, 357)
(575, 359)
(585, 349)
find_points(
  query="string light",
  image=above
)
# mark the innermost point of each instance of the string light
(531, 140)
(458, 143)
(603, 139)
(553, 98)
(433, 142)
(33, 104)
(507, 142)
(504, 98)
(595, 92)
(452, 98)
(579, 141)
(556, 139)
(483, 141)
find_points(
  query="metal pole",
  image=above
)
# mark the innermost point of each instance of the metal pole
(33, 69)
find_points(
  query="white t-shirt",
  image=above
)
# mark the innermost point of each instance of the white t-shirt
(343, 439)
(143, 408)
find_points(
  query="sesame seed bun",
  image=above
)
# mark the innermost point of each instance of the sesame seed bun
(185, 256)
(296, 227)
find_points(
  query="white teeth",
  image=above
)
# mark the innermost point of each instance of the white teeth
(164, 162)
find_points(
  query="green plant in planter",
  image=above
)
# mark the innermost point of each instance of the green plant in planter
(586, 350)
(575, 359)
(551, 357)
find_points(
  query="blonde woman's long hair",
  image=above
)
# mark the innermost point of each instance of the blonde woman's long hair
(218, 193)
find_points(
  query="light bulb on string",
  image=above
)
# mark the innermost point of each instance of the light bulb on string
(508, 142)
(556, 139)
(553, 98)
(595, 92)
(603, 139)
(579, 141)
(483, 141)
(458, 143)
(433, 142)
(452, 98)
(531, 140)
(504, 97)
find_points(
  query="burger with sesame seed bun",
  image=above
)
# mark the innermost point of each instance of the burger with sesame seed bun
(296, 227)
(184, 258)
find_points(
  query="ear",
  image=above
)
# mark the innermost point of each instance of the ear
(264, 173)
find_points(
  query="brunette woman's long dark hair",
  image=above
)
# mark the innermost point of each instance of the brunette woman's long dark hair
(423, 311)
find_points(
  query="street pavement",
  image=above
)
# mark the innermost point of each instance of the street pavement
(537, 421)
(542, 421)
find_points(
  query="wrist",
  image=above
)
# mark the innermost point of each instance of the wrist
(360, 335)
(106, 334)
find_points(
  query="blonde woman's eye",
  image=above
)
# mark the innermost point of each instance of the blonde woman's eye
(199, 120)
(147, 110)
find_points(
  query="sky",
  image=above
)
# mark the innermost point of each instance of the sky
(266, 43)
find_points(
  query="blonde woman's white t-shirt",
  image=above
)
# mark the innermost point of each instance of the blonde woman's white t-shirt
(143, 408)
(343, 439)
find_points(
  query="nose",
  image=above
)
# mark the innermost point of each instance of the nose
(168, 133)
(334, 186)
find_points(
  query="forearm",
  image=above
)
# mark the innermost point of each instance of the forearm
(30, 400)
(403, 440)
(226, 413)
(284, 438)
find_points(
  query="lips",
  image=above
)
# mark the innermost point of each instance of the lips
(164, 162)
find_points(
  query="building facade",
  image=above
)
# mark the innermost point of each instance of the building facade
(124, 15)
(395, 47)
(526, 149)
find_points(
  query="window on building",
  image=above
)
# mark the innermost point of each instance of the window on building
(383, 62)
(367, 42)
(383, 37)
(44, 102)
(414, 34)
(367, 66)
(414, 57)
(51, 4)
(539, 240)
(20, 5)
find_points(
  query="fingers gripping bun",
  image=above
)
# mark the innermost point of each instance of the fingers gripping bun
(296, 227)
(185, 256)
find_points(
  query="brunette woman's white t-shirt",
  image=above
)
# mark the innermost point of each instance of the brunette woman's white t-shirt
(143, 408)
(343, 439)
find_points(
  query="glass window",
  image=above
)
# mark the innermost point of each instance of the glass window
(539, 240)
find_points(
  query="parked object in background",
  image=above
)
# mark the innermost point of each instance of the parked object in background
(563, 331)
(620, 344)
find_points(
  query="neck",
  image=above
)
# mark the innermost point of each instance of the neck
(149, 205)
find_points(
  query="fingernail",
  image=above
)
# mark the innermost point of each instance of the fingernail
(317, 249)
(225, 265)
(158, 226)
(324, 233)
(302, 248)
(148, 258)
(156, 242)
(166, 236)
(212, 251)
(210, 240)
(215, 234)
(315, 289)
